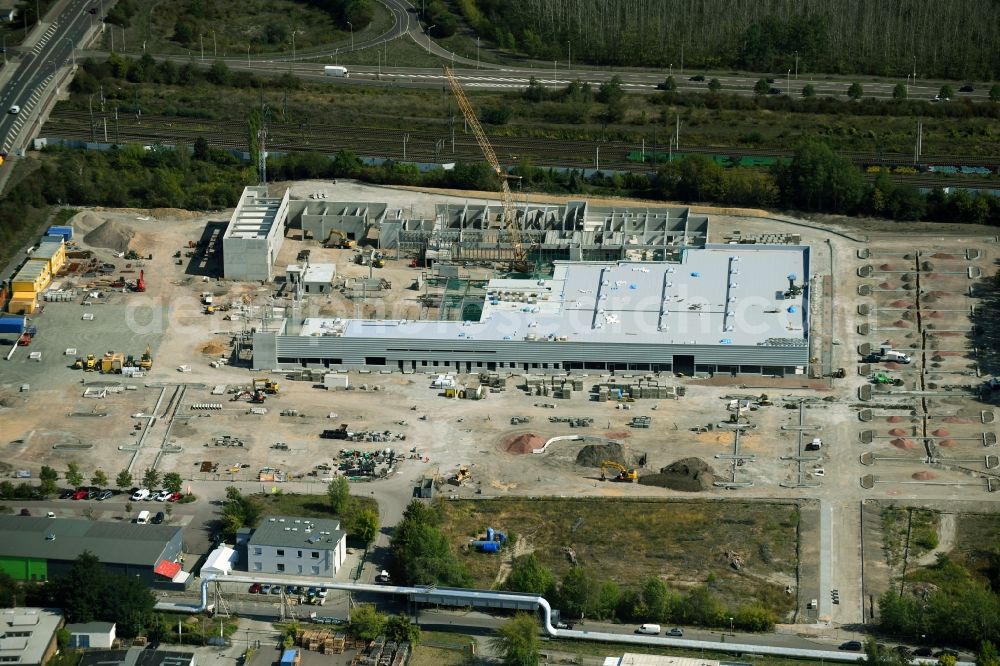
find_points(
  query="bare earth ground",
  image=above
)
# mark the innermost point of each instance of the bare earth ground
(51, 423)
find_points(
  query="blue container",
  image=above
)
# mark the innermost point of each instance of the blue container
(12, 325)
(489, 534)
(288, 657)
(490, 547)
(65, 232)
(500, 537)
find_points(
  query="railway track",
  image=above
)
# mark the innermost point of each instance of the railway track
(426, 145)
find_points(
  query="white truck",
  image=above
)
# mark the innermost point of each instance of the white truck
(886, 354)
(336, 70)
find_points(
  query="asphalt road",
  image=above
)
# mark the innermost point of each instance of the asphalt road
(69, 23)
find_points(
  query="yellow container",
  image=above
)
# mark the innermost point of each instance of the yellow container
(22, 303)
(54, 254)
(33, 278)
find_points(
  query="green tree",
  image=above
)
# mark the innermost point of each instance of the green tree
(399, 628)
(995, 92)
(946, 92)
(73, 475)
(422, 554)
(878, 655)
(755, 617)
(219, 73)
(201, 151)
(535, 92)
(900, 91)
(339, 492)
(578, 592)
(366, 525)
(516, 642)
(48, 478)
(123, 480)
(701, 607)
(762, 87)
(610, 92)
(151, 478)
(987, 655)
(855, 91)
(808, 90)
(11, 594)
(947, 660)
(670, 85)
(239, 511)
(100, 479)
(818, 179)
(714, 85)
(528, 575)
(173, 482)
(367, 622)
(656, 597)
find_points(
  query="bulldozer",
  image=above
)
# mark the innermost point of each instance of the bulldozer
(265, 385)
(624, 475)
(90, 364)
(338, 238)
(463, 474)
(884, 379)
(146, 362)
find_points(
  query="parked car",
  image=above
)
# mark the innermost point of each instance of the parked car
(80, 494)
(159, 518)
(67, 494)
(174, 497)
(140, 494)
(25, 512)
(275, 589)
(852, 646)
(322, 593)
(923, 652)
(676, 631)
(105, 494)
(14, 110)
(164, 495)
(312, 591)
(697, 77)
(254, 589)
(265, 588)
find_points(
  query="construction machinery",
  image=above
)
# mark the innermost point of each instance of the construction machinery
(210, 309)
(509, 214)
(112, 363)
(146, 361)
(140, 284)
(624, 475)
(256, 396)
(338, 238)
(884, 379)
(463, 474)
(375, 259)
(265, 385)
(90, 364)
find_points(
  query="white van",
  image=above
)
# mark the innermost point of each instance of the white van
(651, 629)
(142, 518)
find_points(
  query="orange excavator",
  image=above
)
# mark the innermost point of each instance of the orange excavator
(140, 284)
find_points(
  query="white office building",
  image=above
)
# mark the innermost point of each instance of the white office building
(297, 546)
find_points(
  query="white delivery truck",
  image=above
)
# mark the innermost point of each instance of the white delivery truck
(336, 70)
(650, 629)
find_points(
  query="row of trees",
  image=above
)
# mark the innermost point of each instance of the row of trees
(847, 36)
(581, 593)
(422, 554)
(49, 478)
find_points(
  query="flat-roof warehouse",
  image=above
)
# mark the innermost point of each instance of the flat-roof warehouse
(721, 308)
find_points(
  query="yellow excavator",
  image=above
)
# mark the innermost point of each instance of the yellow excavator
(624, 475)
(338, 238)
(146, 362)
(265, 385)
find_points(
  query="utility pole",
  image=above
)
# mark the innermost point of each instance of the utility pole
(351, 26)
(215, 46)
(201, 38)
(477, 52)
(597, 159)
(406, 137)
(677, 134)
(569, 55)
(796, 65)
(248, 56)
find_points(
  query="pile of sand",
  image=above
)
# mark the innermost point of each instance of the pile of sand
(112, 235)
(942, 255)
(85, 222)
(592, 455)
(899, 323)
(924, 476)
(894, 419)
(955, 419)
(935, 315)
(940, 432)
(526, 443)
(900, 304)
(688, 475)
(619, 434)
(213, 348)
(947, 443)
(885, 267)
(885, 285)
(905, 444)
(898, 432)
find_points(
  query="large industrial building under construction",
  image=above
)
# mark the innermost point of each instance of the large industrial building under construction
(723, 308)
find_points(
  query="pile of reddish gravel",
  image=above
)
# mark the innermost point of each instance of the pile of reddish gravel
(947, 334)
(942, 255)
(955, 419)
(924, 476)
(526, 443)
(885, 267)
(900, 304)
(905, 444)
(899, 323)
(892, 365)
(935, 315)
(898, 432)
(894, 419)
(940, 432)
(947, 443)
(885, 285)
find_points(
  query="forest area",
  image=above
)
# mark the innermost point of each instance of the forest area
(955, 40)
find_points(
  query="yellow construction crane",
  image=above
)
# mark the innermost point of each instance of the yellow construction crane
(521, 263)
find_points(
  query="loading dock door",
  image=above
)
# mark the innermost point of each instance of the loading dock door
(684, 364)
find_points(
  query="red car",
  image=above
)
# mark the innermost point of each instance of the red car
(254, 589)
(174, 497)
(81, 494)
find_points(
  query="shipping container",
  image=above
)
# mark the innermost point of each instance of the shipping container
(12, 325)
(64, 231)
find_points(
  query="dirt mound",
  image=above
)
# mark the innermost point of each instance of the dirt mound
(900, 323)
(947, 443)
(942, 255)
(885, 285)
(112, 235)
(935, 315)
(620, 434)
(85, 222)
(924, 476)
(955, 419)
(212, 348)
(905, 444)
(885, 267)
(894, 419)
(900, 303)
(525, 443)
(898, 432)
(688, 475)
(592, 455)
(892, 365)
(940, 432)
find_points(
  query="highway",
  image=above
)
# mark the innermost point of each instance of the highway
(69, 23)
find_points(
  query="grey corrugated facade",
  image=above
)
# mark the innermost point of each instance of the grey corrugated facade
(473, 355)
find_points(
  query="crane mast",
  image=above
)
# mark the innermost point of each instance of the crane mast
(506, 198)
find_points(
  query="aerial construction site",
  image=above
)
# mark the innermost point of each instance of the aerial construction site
(558, 358)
